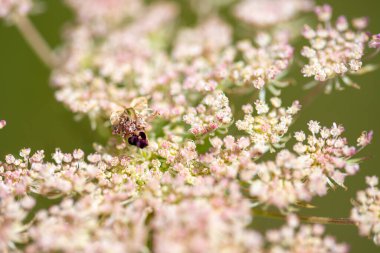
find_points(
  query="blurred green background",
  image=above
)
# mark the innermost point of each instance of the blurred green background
(36, 120)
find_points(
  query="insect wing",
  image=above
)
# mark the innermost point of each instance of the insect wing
(140, 104)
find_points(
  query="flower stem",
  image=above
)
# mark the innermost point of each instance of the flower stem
(35, 41)
(313, 94)
(307, 219)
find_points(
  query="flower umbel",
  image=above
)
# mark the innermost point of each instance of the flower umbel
(366, 210)
(335, 49)
(162, 83)
(3, 123)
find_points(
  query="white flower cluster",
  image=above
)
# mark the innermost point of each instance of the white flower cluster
(273, 12)
(3, 123)
(335, 49)
(10, 9)
(304, 238)
(268, 129)
(329, 151)
(212, 113)
(366, 210)
(263, 64)
(163, 83)
(100, 15)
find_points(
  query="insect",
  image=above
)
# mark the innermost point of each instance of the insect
(132, 123)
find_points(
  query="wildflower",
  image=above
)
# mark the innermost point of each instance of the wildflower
(3, 123)
(375, 41)
(263, 64)
(101, 14)
(196, 188)
(269, 13)
(334, 51)
(195, 228)
(329, 151)
(12, 229)
(269, 127)
(201, 40)
(78, 228)
(302, 238)
(228, 156)
(360, 23)
(64, 176)
(296, 178)
(314, 127)
(365, 139)
(213, 112)
(366, 210)
(203, 55)
(324, 12)
(99, 87)
(10, 9)
(300, 136)
(280, 182)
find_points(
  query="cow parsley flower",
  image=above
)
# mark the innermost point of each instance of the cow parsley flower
(297, 178)
(375, 41)
(269, 13)
(207, 39)
(262, 64)
(3, 123)
(302, 238)
(268, 129)
(202, 226)
(281, 183)
(366, 210)
(335, 50)
(329, 151)
(10, 9)
(101, 15)
(163, 82)
(118, 69)
(212, 113)
(12, 214)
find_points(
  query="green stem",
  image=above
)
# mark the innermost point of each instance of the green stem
(307, 219)
(35, 41)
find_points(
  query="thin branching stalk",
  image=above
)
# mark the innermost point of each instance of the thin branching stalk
(313, 94)
(35, 41)
(307, 219)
